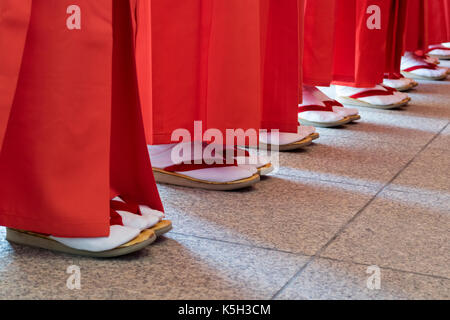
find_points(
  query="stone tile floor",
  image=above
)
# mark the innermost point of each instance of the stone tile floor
(376, 193)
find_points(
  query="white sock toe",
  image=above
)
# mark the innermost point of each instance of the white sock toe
(262, 161)
(410, 60)
(401, 95)
(439, 72)
(380, 100)
(285, 138)
(398, 83)
(432, 60)
(147, 211)
(152, 219)
(258, 161)
(249, 167)
(306, 131)
(314, 97)
(321, 116)
(222, 174)
(136, 221)
(346, 112)
(119, 235)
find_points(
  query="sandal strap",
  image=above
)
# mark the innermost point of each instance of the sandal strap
(114, 218)
(374, 92)
(183, 167)
(125, 206)
(328, 106)
(428, 66)
(393, 76)
(236, 150)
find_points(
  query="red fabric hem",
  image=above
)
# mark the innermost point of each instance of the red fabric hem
(316, 82)
(356, 85)
(282, 127)
(89, 230)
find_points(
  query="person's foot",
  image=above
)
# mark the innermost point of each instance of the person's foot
(154, 218)
(439, 51)
(381, 97)
(414, 66)
(126, 223)
(317, 109)
(286, 141)
(429, 59)
(212, 172)
(249, 160)
(136, 216)
(118, 236)
(400, 83)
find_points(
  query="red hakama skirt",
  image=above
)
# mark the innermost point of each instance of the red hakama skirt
(230, 64)
(360, 51)
(71, 130)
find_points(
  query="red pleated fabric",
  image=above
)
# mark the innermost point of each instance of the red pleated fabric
(320, 19)
(416, 36)
(205, 67)
(13, 32)
(74, 130)
(282, 31)
(428, 23)
(447, 18)
(360, 52)
(438, 13)
(131, 173)
(395, 37)
(230, 64)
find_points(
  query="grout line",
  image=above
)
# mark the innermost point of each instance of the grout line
(373, 187)
(329, 132)
(301, 254)
(341, 230)
(242, 244)
(387, 268)
(436, 193)
(390, 143)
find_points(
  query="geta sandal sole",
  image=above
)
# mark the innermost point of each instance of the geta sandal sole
(144, 239)
(359, 103)
(325, 124)
(178, 179)
(415, 76)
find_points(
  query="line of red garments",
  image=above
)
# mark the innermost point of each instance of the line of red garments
(427, 23)
(74, 104)
(249, 73)
(230, 64)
